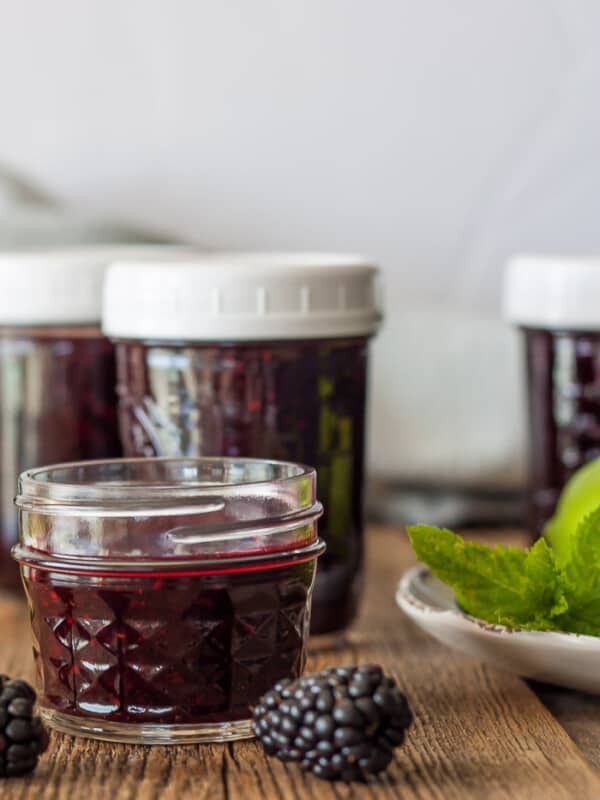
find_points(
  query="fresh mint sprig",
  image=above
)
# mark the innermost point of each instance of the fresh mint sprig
(516, 587)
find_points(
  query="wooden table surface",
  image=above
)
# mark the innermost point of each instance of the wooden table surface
(478, 733)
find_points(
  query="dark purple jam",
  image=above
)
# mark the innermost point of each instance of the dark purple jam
(296, 401)
(57, 403)
(172, 650)
(563, 371)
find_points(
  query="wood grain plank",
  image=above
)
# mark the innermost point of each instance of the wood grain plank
(578, 713)
(478, 733)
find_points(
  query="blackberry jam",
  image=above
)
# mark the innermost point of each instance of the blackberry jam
(563, 370)
(58, 403)
(166, 595)
(301, 402)
(57, 372)
(555, 301)
(184, 650)
(255, 356)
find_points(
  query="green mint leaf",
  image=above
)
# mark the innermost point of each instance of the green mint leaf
(582, 578)
(503, 585)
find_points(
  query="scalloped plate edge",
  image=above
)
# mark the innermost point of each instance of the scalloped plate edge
(564, 659)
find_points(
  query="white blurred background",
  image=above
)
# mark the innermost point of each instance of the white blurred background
(437, 136)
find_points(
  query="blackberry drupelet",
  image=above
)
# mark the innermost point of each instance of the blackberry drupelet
(341, 724)
(22, 736)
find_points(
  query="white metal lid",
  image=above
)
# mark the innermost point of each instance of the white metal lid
(553, 291)
(242, 297)
(60, 286)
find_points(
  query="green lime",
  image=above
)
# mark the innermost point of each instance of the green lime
(579, 497)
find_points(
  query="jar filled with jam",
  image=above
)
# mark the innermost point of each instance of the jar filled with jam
(555, 301)
(166, 595)
(57, 371)
(255, 355)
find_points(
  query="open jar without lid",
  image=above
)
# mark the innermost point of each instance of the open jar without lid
(555, 301)
(166, 594)
(260, 355)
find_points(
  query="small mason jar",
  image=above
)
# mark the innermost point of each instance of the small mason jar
(555, 302)
(166, 595)
(255, 355)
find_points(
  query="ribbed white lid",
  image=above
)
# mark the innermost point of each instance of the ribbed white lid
(242, 297)
(61, 286)
(545, 291)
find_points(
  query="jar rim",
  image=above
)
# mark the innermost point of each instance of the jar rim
(165, 510)
(37, 488)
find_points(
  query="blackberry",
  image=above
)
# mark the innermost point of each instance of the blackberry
(22, 736)
(341, 724)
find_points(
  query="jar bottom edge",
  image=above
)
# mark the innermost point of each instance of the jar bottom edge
(150, 734)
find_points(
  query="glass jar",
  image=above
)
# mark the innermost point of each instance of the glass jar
(57, 371)
(259, 355)
(166, 595)
(555, 301)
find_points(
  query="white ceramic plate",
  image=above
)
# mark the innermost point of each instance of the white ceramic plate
(564, 659)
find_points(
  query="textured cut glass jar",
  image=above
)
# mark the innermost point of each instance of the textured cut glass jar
(166, 595)
(255, 355)
(555, 301)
